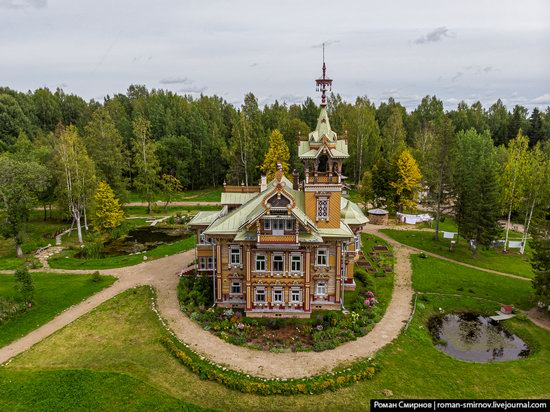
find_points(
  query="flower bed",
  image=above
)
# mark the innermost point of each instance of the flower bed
(324, 330)
(207, 370)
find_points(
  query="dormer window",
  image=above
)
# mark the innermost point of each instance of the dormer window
(322, 208)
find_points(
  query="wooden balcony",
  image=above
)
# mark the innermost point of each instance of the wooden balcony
(278, 239)
(241, 189)
(322, 178)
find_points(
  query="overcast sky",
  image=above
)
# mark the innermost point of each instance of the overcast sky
(458, 50)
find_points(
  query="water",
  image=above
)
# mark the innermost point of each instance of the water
(144, 238)
(471, 337)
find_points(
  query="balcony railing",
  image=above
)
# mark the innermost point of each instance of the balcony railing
(322, 178)
(278, 239)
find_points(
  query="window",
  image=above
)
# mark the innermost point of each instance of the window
(260, 295)
(278, 227)
(202, 263)
(267, 224)
(236, 287)
(278, 263)
(321, 288)
(289, 225)
(322, 208)
(235, 253)
(357, 243)
(202, 238)
(260, 263)
(322, 257)
(211, 262)
(296, 295)
(277, 295)
(296, 263)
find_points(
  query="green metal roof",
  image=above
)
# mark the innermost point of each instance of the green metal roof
(204, 218)
(315, 138)
(229, 198)
(343, 231)
(351, 213)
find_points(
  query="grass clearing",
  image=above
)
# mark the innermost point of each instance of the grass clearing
(53, 294)
(122, 336)
(170, 210)
(211, 194)
(65, 260)
(439, 276)
(513, 263)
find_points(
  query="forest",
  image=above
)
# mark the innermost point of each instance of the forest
(480, 164)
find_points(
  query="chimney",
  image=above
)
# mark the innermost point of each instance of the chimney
(295, 182)
(263, 183)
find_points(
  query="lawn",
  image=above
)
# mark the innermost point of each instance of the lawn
(170, 210)
(53, 294)
(212, 194)
(513, 263)
(126, 332)
(65, 260)
(439, 276)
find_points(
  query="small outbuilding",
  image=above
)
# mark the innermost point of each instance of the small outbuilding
(378, 216)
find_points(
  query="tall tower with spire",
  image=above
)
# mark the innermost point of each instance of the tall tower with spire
(323, 154)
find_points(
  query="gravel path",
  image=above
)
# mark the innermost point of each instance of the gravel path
(162, 275)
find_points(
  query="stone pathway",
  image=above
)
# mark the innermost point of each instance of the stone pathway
(162, 275)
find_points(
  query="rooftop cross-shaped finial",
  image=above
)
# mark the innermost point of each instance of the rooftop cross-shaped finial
(324, 83)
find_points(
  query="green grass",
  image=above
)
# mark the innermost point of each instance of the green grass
(82, 390)
(439, 276)
(53, 294)
(204, 195)
(125, 334)
(66, 261)
(513, 263)
(171, 210)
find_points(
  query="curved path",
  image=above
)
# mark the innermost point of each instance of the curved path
(162, 275)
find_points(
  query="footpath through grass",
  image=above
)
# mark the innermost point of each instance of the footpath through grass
(67, 261)
(53, 294)
(125, 333)
(513, 262)
(212, 194)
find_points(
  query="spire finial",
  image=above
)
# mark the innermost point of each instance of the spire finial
(324, 84)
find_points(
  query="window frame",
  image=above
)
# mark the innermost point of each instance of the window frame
(325, 254)
(294, 290)
(289, 224)
(264, 262)
(202, 263)
(236, 283)
(267, 224)
(277, 290)
(264, 294)
(324, 287)
(231, 255)
(293, 261)
(327, 213)
(210, 263)
(277, 255)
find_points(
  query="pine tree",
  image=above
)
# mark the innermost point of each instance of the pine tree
(278, 152)
(108, 212)
(407, 181)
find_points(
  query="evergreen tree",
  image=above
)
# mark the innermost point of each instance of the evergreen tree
(541, 260)
(499, 121)
(277, 153)
(24, 283)
(535, 132)
(108, 212)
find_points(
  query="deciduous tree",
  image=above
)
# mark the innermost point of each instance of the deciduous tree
(108, 213)
(278, 152)
(407, 182)
(146, 163)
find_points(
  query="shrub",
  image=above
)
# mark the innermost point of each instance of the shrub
(92, 250)
(10, 308)
(24, 283)
(96, 277)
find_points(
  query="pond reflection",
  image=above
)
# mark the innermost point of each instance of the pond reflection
(471, 337)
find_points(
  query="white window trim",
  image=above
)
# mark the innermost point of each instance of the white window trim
(231, 249)
(202, 263)
(326, 257)
(236, 282)
(260, 289)
(319, 217)
(267, 224)
(256, 262)
(292, 256)
(210, 263)
(277, 289)
(289, 224)
(325, 287)
(291, 297)
(273, 262)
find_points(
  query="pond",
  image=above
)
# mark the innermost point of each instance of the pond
(144, 238)
(471, 337)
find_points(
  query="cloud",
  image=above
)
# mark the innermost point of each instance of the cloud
(542, 99)
(193, 89)
(457, 76)
(23, 4)
(435, 35)
(175, 80)
(326, 43)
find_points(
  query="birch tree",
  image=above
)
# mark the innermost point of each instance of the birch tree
(513, 178)
(76, 177)
(146, 162)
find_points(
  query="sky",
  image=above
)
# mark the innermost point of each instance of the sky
(457, 50)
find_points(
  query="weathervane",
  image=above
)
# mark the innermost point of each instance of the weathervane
(324, 83)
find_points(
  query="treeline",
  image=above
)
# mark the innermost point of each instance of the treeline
(204, 141)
